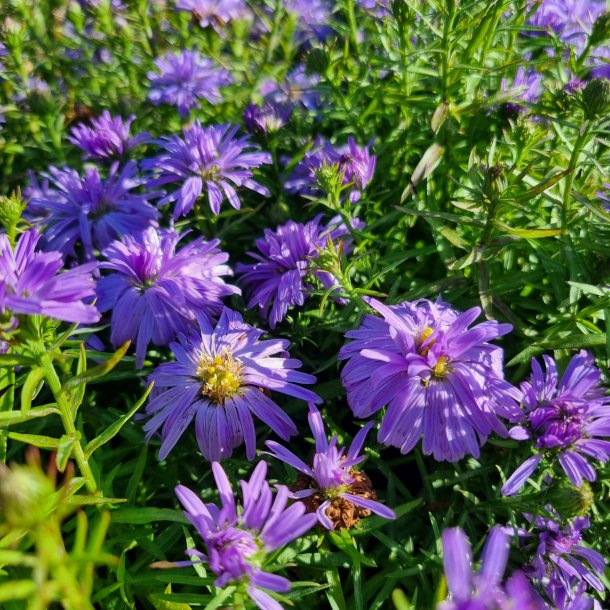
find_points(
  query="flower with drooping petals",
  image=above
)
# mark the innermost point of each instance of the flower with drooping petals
(483, 590)
(220, 379)
(215, 13)
(92, 211)
(567, 419)
(439, 378)
(156, 289)
(563, 566)
(332, 488)
(31, 282)
(238, 540)
(184, 78)
(277, 281)
(211, 160)
(106, 137)
(353, 162)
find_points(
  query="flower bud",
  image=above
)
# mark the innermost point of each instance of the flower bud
(596, 97)
(317, 61)
(11, 208)
(571, 501)
(601, 30)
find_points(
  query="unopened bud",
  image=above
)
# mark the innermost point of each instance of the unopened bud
(11, 208)
(601, 30)
(317, 61)
(571, 501)
(596, 98)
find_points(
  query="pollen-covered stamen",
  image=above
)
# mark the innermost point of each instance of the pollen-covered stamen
(220, 375)
(423, 345)
(441, 367)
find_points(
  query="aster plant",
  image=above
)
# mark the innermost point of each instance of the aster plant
(354, 164)
(483, 589)
(185, 78)
(266, 119)
(34, 282)
(106, 137)
(278, 280)
(221, 378)
(215, 13)
(439, 378)
(210, 160)
(238, 539)
(155, 289)
(564, 419)
(90, 211)
(331, 487)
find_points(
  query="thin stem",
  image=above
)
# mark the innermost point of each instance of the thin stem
(567, 193)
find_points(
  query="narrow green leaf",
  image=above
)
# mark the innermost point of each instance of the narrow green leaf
(17, 589)
(543, 186)
(98, 371)
(31, 387)
(64, 450)
(115, 427)
(140, 516)
(43, 442)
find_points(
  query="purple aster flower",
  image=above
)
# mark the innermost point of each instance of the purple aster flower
(156, 289)
(278, 280)
(93, 211)
(380, 8)
(331, 481)
(238, 541)
(569, 19)
(298, 87)
(566, 418)
(31, 282)
(600, 62)
(268, 118)
(439, 378)
(210, 159)
(605, 196)
(35, 86)
(219, 379)
(184, 78)
(353, 162)
(483, 590)
(216, 13)
(562, 563)
(312, 18)
(527, 85)
(106, 137)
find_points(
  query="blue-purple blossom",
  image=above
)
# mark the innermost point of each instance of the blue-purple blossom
(106, 137)
(184, 79)
(297, 88)
(219, 380)
(527, 86)
(215, 13)
(332, 480)
(266, 119)
(278, 280)
(32, 282)
(565, 419)
(157, 289)
(90, 211)
(483, 589)
(312, 19)
(211, 160)
(563, 566)
(239, 539)
(355, 164)
(439, 378)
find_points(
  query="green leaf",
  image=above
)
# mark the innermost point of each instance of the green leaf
(567, 342)
(98, 371)
(64, 450)
(31, 387)
(400, 600)
(140, 516)
(220, 598)
(17, 589)
(543, 186)
(43, 442)
(115, 427)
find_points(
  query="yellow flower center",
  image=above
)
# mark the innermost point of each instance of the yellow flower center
(220, 376)
(440, 368)
(422, 339)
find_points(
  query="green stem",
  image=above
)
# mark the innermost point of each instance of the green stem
(67, 419)
(567, 193)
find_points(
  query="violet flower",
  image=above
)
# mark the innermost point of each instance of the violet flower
(312, 19)
(439, 378)
(266, 119)
(483, 589)
(353, 162)
(92, 211)
(106, 137)
(157, 289)
(31, 282)
(208, 159)
(239, 539)
(563, 566)
(184, 78)
(215, 13)
(527, 85)
(218, 380)
(297, 88)
(565, 418)
(337, 492)
(278, 280)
